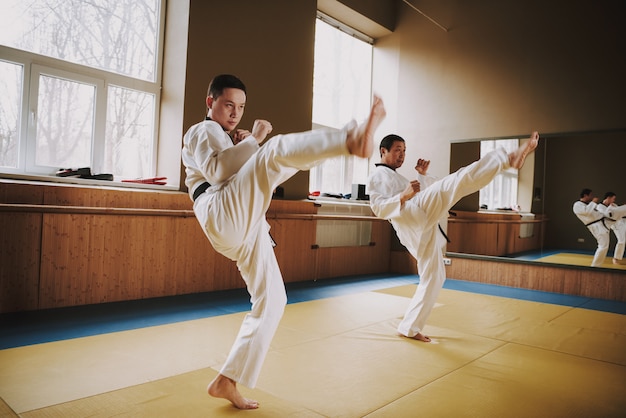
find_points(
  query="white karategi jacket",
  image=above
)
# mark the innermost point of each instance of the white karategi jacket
(617, 223)
(592, 216)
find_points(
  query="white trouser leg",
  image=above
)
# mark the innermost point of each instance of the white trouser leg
(258, 266)
(432, 277)
(601, 233)
(620, 233)
(233, 217)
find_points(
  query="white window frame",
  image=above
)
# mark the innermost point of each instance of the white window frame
(34, 64)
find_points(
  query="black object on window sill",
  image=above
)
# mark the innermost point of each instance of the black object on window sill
(83, 173)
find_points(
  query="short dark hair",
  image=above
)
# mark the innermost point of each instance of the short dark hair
(609, 194)
(585, 192)
(224, 81)
(388, 141)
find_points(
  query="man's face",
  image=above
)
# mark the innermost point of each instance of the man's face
(610, 200)
(227, 109)
(394, 157)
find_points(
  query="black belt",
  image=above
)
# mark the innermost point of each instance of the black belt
(443, 233)
(603, 220)
(201, 189)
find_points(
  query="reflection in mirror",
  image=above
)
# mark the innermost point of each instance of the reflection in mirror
(539, 224)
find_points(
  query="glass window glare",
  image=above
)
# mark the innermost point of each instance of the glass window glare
(82, 86)
(342, 77)
(11, 76)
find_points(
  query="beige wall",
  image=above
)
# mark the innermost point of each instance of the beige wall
(504, 67)
(269, 45)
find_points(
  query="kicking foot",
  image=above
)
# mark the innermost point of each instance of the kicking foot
(360, 139)
(420, 337)
(517, 157)
(223, 387)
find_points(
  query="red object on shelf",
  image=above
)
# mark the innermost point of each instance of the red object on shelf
(153, 180)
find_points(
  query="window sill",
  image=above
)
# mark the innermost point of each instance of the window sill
(75, 181)
(336, 201)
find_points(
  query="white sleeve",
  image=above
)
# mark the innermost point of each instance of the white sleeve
(216, 156)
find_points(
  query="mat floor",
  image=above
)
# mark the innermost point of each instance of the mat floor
(496, 352)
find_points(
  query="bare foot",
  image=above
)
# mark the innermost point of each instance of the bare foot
(517, 157)
(616, 261)
(360, 140)
(419, 337)
(223, 387)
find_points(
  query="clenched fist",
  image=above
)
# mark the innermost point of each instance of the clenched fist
(261, 129)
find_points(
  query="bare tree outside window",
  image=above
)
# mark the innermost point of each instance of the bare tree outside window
(64, 123)
(10, 104)
(114, 35)
(103, 118)
(130, 121)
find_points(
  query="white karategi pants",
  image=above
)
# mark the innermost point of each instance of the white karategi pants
(417, 229)
(619, 228)
(601, 233)
(233, 217)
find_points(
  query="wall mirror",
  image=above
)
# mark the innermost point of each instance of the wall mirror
(564, 164)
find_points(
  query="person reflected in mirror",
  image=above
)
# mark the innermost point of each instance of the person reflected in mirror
(616, 222)
(594, 218)
(415, 208)
(231, 180)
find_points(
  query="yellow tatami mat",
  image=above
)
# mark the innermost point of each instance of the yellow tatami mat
(580, 260)
(341, 357)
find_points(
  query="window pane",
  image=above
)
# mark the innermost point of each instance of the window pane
(129, 133)
(341, 77)
(501, 192)
(119, 36)
(65, 123)
(11, 76)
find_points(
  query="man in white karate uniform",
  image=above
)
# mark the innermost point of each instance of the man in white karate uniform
(595, 218)
(415, 212)
(617, 223)
(231, 180)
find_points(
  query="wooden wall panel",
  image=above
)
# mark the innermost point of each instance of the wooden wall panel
(494, 234)
(20, 193)
(294, 239)
(348, 261)
(94, 259)
(20, 245)
(402, 262)
(473, 238)
(116, 198)
(197, 266)
(569, 280)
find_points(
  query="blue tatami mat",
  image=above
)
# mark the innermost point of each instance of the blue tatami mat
(35, 327)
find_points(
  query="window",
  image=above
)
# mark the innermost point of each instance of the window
(342, 78)
(501, 193)
(82, 85)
